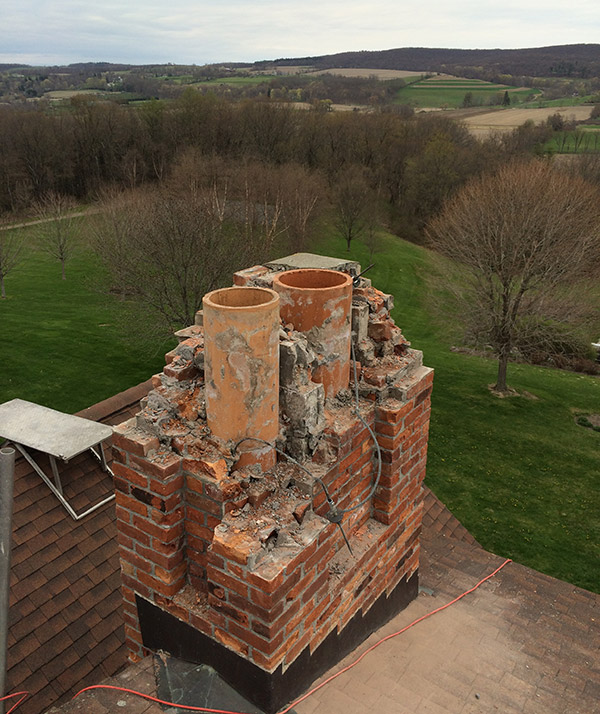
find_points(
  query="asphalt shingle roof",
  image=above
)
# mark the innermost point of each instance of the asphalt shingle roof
(523, 642)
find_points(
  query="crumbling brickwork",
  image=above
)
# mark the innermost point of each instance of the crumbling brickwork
(247, 554)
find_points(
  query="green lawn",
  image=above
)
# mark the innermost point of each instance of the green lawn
(66, 344)
(518, 472)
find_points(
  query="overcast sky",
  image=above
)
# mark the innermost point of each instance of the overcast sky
(201, 31)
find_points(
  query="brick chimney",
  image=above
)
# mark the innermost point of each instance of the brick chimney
(235, 556)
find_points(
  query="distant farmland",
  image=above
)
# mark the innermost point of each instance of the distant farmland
(483, 124)
(444, 91)
(381, 74)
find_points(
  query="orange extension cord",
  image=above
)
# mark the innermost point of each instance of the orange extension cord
(304, 696)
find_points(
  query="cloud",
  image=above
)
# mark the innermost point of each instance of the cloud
(197, 31)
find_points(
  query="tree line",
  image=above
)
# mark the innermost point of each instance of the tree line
(412, 163)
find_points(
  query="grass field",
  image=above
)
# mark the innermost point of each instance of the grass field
(518, 472)
(575, 142)
(65, 344)
(236, 81)
(450, 93)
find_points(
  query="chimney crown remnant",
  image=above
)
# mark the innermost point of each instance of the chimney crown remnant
(233, 559)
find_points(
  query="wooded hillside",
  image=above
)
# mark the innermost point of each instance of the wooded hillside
(581, 60)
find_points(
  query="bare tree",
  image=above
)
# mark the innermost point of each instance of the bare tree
(168, 247)
(58, 228)
(11, 242)
(372, 236)
(301, 191)
(523, 239)
(349, 203)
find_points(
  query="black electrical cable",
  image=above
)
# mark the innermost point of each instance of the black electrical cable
(375, 442)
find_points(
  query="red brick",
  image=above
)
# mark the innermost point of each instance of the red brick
(198, 500)
(158, 586)
(236, 505)
(165, 534)
(295, 592)
(199, 531)
(299, 646)
(236, 570)
(269, 600)
(196, 544)
(136, 443)
(216, 560)
(203, 623)
(161, 466)
(166, 487)
(270, 630)
(118, 455)
(168, 562)
(226, 581)
(319, 555)
(129, 475)
(266, 579)
(136, 586)
(180, 372)
(393, 442)
(265, 614)
(131, 504)
(267, 647)
(125, 541)
(217, 469)
(393, 412)
(319, 581)
(267, 663)
(239, 616)
(233, 546)
(316, 612)
(136, 560)
(231, 642)
(132, 634)
(195, 515)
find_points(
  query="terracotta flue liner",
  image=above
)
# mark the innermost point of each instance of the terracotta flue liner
(318, 304)
(241, 329)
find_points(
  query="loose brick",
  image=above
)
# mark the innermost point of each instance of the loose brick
(127, 437)
(216, 469)
(161, 465)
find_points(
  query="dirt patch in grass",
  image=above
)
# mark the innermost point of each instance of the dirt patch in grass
(590, 421)
(510, 392)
